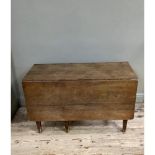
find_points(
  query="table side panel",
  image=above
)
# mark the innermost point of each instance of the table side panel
(80, 100)
(79, 92)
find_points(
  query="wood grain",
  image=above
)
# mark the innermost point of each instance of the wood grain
(80, 71)
(84, 91)
(80, 92)
(80, 112)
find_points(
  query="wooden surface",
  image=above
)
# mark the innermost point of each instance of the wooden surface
(84, 137)
(84, 91)
(78, 71)
(81, 100)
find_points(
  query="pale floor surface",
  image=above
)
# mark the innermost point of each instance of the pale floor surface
(84, 137)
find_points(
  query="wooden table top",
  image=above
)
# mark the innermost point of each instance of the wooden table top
(81, 71)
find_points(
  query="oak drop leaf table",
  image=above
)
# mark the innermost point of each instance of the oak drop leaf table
(80, 91)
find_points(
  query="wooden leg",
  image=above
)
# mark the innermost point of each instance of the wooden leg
(39, 127)
(124, 125)
(66, 125)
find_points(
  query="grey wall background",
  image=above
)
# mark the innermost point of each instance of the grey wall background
(53, 31)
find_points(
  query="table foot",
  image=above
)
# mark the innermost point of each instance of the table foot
(39, 127)
(66, 126)
(124, 125)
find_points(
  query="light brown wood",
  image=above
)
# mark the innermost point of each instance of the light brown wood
(80, 71)
(84, 137)
(86, 91)
(80, 92)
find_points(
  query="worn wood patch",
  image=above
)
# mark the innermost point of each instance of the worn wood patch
(77, 71)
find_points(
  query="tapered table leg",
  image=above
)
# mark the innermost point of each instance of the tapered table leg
(124, 125)
(39, 127)
(66, 125)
